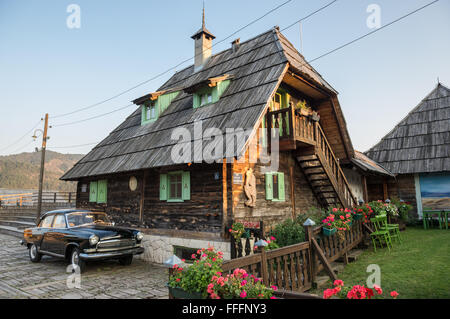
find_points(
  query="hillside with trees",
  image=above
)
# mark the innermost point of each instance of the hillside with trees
(21, 171)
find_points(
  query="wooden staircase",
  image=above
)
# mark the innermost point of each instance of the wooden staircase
(315, 156)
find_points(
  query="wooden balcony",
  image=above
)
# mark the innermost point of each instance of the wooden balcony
(314, 154)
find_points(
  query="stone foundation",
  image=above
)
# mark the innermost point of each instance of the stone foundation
(159, 248)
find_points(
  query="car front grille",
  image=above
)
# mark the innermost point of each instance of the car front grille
(116, 244)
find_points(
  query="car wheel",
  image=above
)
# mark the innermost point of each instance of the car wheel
(126, 261)
(35, 256)
(76, 261)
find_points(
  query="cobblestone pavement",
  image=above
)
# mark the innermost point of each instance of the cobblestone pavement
(20, 278)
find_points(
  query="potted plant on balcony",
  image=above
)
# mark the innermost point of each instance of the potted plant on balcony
(328, 228)
(192, 283)
(303, 108)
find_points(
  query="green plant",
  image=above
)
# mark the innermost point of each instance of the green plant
(403, 208)
(237, 230)
(197, 277)
(288, 232)
(239, 284)
(339, 219)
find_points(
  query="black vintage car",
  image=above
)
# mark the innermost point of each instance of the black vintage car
(80, 236)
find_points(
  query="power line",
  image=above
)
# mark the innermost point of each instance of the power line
(22, 147)
(170, 69)
(74, 146)
(309, 15)
(372, 32)
(94, 117)
(22, 137)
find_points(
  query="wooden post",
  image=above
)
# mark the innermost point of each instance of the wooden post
(41, 173)
(224, 198)
(291, 176)
(142, 201)
(309, 235)
(264, 271)
(365, 193)
(385, 190)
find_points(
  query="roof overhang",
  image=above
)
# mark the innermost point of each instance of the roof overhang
(210, 82)
(153, 96)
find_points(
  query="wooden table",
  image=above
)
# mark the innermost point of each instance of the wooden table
(442, 217)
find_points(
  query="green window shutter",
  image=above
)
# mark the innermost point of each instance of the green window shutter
(93, 192)
(102, 191)
(269, 186)
(186, 180)
(196, 101)
(281, 188)
(163, 187)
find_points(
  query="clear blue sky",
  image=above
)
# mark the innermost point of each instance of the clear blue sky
(47, 67)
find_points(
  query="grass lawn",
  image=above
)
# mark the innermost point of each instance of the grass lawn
(418, 268)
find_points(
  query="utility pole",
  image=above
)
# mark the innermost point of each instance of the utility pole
(41, 174)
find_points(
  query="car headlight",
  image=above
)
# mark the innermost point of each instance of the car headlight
(93, 240)
(139, 236)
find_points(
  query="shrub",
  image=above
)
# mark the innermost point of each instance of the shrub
(239, 284)
(197, 277)
(290, 232)
(355, 292)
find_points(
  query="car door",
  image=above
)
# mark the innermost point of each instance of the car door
(56, 242)
(43, 231)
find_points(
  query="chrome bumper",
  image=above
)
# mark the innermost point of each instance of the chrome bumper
(112, 254)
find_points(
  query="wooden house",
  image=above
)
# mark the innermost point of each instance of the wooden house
(253, 86)
(417, 151)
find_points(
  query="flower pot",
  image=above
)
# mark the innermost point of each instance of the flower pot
(328, 232)
(357, 216)
(179, 293)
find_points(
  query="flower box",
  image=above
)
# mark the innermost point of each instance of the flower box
(179, 293)
(357, 216)
(328, 232)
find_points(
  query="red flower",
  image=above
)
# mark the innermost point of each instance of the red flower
(369, 293)
(378, 289)
(338, 282)
(394, 294)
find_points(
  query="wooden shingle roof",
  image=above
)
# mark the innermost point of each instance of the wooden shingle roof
(256, 68)
(420, 143)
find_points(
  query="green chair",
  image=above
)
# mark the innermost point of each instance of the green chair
(394, 229)
(381, 235)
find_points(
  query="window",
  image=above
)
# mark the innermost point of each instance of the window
(98, 191)
(60, 221)
(175, 186)
(47, 222)
(151, 110)
(150, 113)
(275, 186)
(210, 95)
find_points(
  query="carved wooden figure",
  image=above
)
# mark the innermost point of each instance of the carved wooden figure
(250, 188)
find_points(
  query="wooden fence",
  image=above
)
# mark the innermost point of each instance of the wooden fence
(31, 199)
(294, 268)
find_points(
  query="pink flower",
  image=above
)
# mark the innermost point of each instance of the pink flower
(335, 210)
(272, 238)
(394, 294)
(378, 289)
(338, 282)
(243, 282)
(274, 287)
(273, 297)
(243, 294)
(193, 256)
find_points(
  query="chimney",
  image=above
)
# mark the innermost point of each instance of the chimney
(203, 43)
(235, 44)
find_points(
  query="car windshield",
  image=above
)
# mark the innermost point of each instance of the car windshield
(87, 218)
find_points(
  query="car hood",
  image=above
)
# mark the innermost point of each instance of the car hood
(103, 231)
